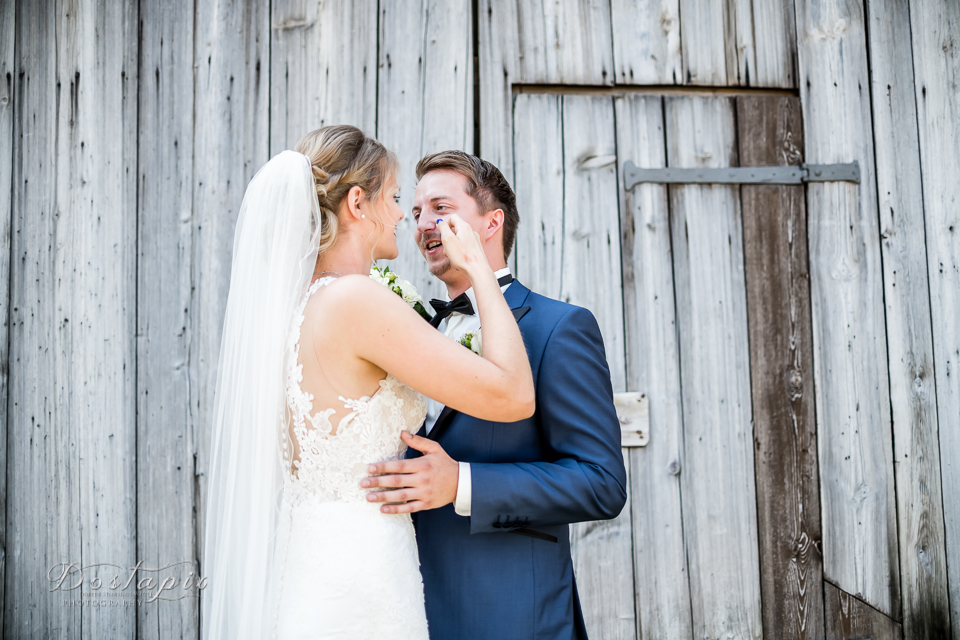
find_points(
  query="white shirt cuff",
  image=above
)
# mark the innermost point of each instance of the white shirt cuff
(461, 505)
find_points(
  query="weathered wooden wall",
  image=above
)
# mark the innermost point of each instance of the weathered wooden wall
(798, 345)
(7, 72)
(71, 445)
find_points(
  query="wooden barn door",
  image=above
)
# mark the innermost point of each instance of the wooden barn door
(682, 279)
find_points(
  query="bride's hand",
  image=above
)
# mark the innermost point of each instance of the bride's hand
(461, 244)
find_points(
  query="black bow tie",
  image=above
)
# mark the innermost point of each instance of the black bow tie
(460, 304)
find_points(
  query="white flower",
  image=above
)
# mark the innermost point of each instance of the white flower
(407, 291)
(401, 287)
(382, 275)
(471, 340)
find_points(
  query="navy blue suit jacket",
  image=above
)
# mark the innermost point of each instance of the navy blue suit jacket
(498, 573)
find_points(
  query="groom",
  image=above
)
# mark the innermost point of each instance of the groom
(494, 500)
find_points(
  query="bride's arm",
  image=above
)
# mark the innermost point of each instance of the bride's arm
(385, 331)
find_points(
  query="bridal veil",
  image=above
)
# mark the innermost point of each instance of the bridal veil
(274, 253)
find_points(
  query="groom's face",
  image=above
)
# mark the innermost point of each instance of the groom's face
(439, 194)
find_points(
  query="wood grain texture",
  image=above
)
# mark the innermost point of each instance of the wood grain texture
(913, 392)
(498, 52)
(8, 79)
(850, 369)
(568, 247)
(717, 482)
(323, 67)
(538, 171)
(425, 104)
(935, 28)
(781, 372)
(564, 42)
(849, 618)
(71, 452)
(661, 582)
(711, 35)
(231, 134)
(590, 260)
(590, 276)
(165, 270)
(750, 43)
(775, 30)
(540, 41)
(646, 41)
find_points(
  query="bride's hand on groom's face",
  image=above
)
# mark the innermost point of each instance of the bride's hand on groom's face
(461, 243)
(427, 482)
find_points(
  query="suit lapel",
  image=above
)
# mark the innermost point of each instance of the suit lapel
(515, 295)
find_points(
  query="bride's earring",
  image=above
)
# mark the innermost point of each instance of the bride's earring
(363, 215)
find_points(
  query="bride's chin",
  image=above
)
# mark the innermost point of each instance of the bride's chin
(387, 254)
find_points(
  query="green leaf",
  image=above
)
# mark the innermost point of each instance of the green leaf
(422, 311)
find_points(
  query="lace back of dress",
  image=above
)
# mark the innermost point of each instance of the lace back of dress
(329, 467)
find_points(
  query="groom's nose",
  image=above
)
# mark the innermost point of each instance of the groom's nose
(426, 223)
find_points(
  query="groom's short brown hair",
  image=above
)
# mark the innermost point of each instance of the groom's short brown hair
(488, 187)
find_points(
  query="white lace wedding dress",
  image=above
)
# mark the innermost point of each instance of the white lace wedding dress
(349, 571)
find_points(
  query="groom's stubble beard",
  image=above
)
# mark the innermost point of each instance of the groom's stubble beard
(438, 270)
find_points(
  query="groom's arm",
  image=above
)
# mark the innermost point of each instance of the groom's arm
(584, 477)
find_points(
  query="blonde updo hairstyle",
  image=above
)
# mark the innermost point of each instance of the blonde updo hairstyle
(343, 157)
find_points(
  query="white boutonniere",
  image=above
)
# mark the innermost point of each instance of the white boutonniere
(401, 287)
(471, 340)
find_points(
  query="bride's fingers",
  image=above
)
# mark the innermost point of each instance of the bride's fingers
(455, 223)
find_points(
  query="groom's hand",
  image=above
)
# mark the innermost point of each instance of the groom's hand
(427, 482)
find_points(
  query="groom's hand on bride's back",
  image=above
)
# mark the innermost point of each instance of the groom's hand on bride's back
(405, 486)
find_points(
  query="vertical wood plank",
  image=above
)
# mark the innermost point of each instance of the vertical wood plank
(851, 619)
(935, 27)
(323, 69)
(590, 260)
(712, 36)
(231, 137)
(568, 247)
(775, 30)
(165, 269)
(591, 277)
(913, 392)
(537, 42)
(8, 79)
(646, 41)
(71, 458)
(40, 470)
(425, 103)
(750, 43)
(781, 373)
(538, 132)
(850, 368)
(498, 54)
(564, 42)
(717, 481)
(661, 581)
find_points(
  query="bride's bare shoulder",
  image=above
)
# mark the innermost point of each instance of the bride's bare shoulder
(348, 296)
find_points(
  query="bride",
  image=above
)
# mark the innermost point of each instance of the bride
(321, 370)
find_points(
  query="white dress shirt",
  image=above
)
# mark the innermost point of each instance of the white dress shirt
(456, 325)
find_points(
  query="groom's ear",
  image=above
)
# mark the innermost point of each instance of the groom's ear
(494, 222)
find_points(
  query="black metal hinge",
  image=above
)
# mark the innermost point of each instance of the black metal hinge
(634, 175)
